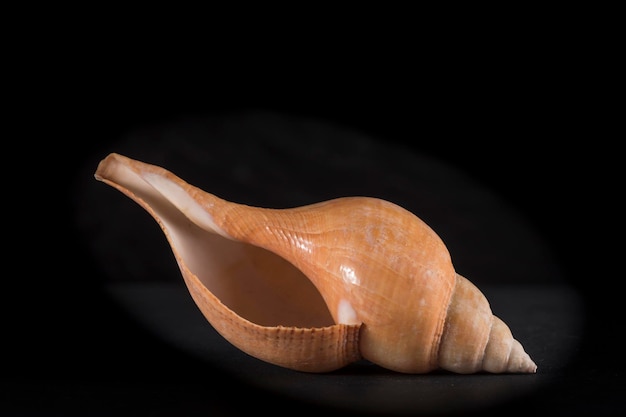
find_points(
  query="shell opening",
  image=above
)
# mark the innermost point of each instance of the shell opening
(255, 283)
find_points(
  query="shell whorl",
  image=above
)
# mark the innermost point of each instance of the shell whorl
(486, 341)
(390, 292)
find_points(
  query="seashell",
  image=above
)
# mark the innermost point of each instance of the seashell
(317, 287)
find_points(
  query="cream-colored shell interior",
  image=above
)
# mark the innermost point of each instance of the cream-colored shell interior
(258, 285)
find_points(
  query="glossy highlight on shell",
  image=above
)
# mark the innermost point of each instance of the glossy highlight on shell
(317, 287)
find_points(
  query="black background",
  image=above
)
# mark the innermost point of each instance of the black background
(521, 117)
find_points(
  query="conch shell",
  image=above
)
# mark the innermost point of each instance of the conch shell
(317, 287)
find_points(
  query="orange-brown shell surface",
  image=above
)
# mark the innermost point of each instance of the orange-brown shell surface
(316, 287)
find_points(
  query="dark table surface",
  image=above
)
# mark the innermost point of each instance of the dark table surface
(548, 320)
(104, 326)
